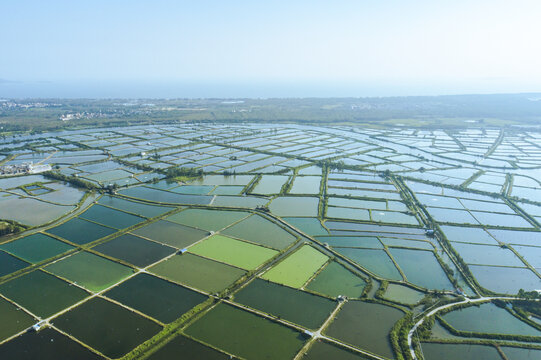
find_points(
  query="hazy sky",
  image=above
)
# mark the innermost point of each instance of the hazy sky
(468, 44)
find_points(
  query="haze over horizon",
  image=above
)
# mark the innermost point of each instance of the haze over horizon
(275, 49)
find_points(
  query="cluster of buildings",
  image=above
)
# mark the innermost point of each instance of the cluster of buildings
(24, 168)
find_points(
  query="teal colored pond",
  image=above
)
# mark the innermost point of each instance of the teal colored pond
(376, 261)
(295, 206)
(488, 318)
(9, 264)
(309, 225)
(430, 275)
(434, 351)
(36, 247)
(133, 206)
(110, 217)
(80, 231)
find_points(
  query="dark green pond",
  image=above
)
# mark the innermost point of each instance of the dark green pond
(212, 220)
(48, 344)
(169, 233)
(80, 231)
(135, 250)
(42, 293)
(200, 273)
(110, 217)
(10, 264)
(245, 334)
(366, 325)
(322, 350)
(145, 193)
(36, 247)
(187, 348)
(293, 305)
(133, 206)
(156, 297)
(261, 231)
(13, 319)
(107, 327)
(336, 280)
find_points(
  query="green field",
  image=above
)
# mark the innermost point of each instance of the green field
(93, 272)
(234, 252)
(200, 273)
(297, 268)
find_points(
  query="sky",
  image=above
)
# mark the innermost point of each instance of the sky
(356, 47)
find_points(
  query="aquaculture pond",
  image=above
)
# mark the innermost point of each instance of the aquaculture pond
(488, 318)
(162, 196)
(110, 217)
(245, 334)
(36, 248)
(210, 220)
(259, 230)
(294, 206)
(402, 294)
(47, 344)
(297, 268)
(293, 305)
(133, 206)
(80, 231)
(513, 353)
(107, 327)
(505, 280)
(170, 233)
(189, 348)
(369, 242)
(93, 272)
(9, 264)
(270, 184)
(436, 351)
(14, 320)
(200, 273)
(375, 261)
(336, 280)
(41, 293)
(135, 250)
(309, 225)
(322, 350)
(430, 275)
(155, 297)
(378, 321)
(234, 252)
